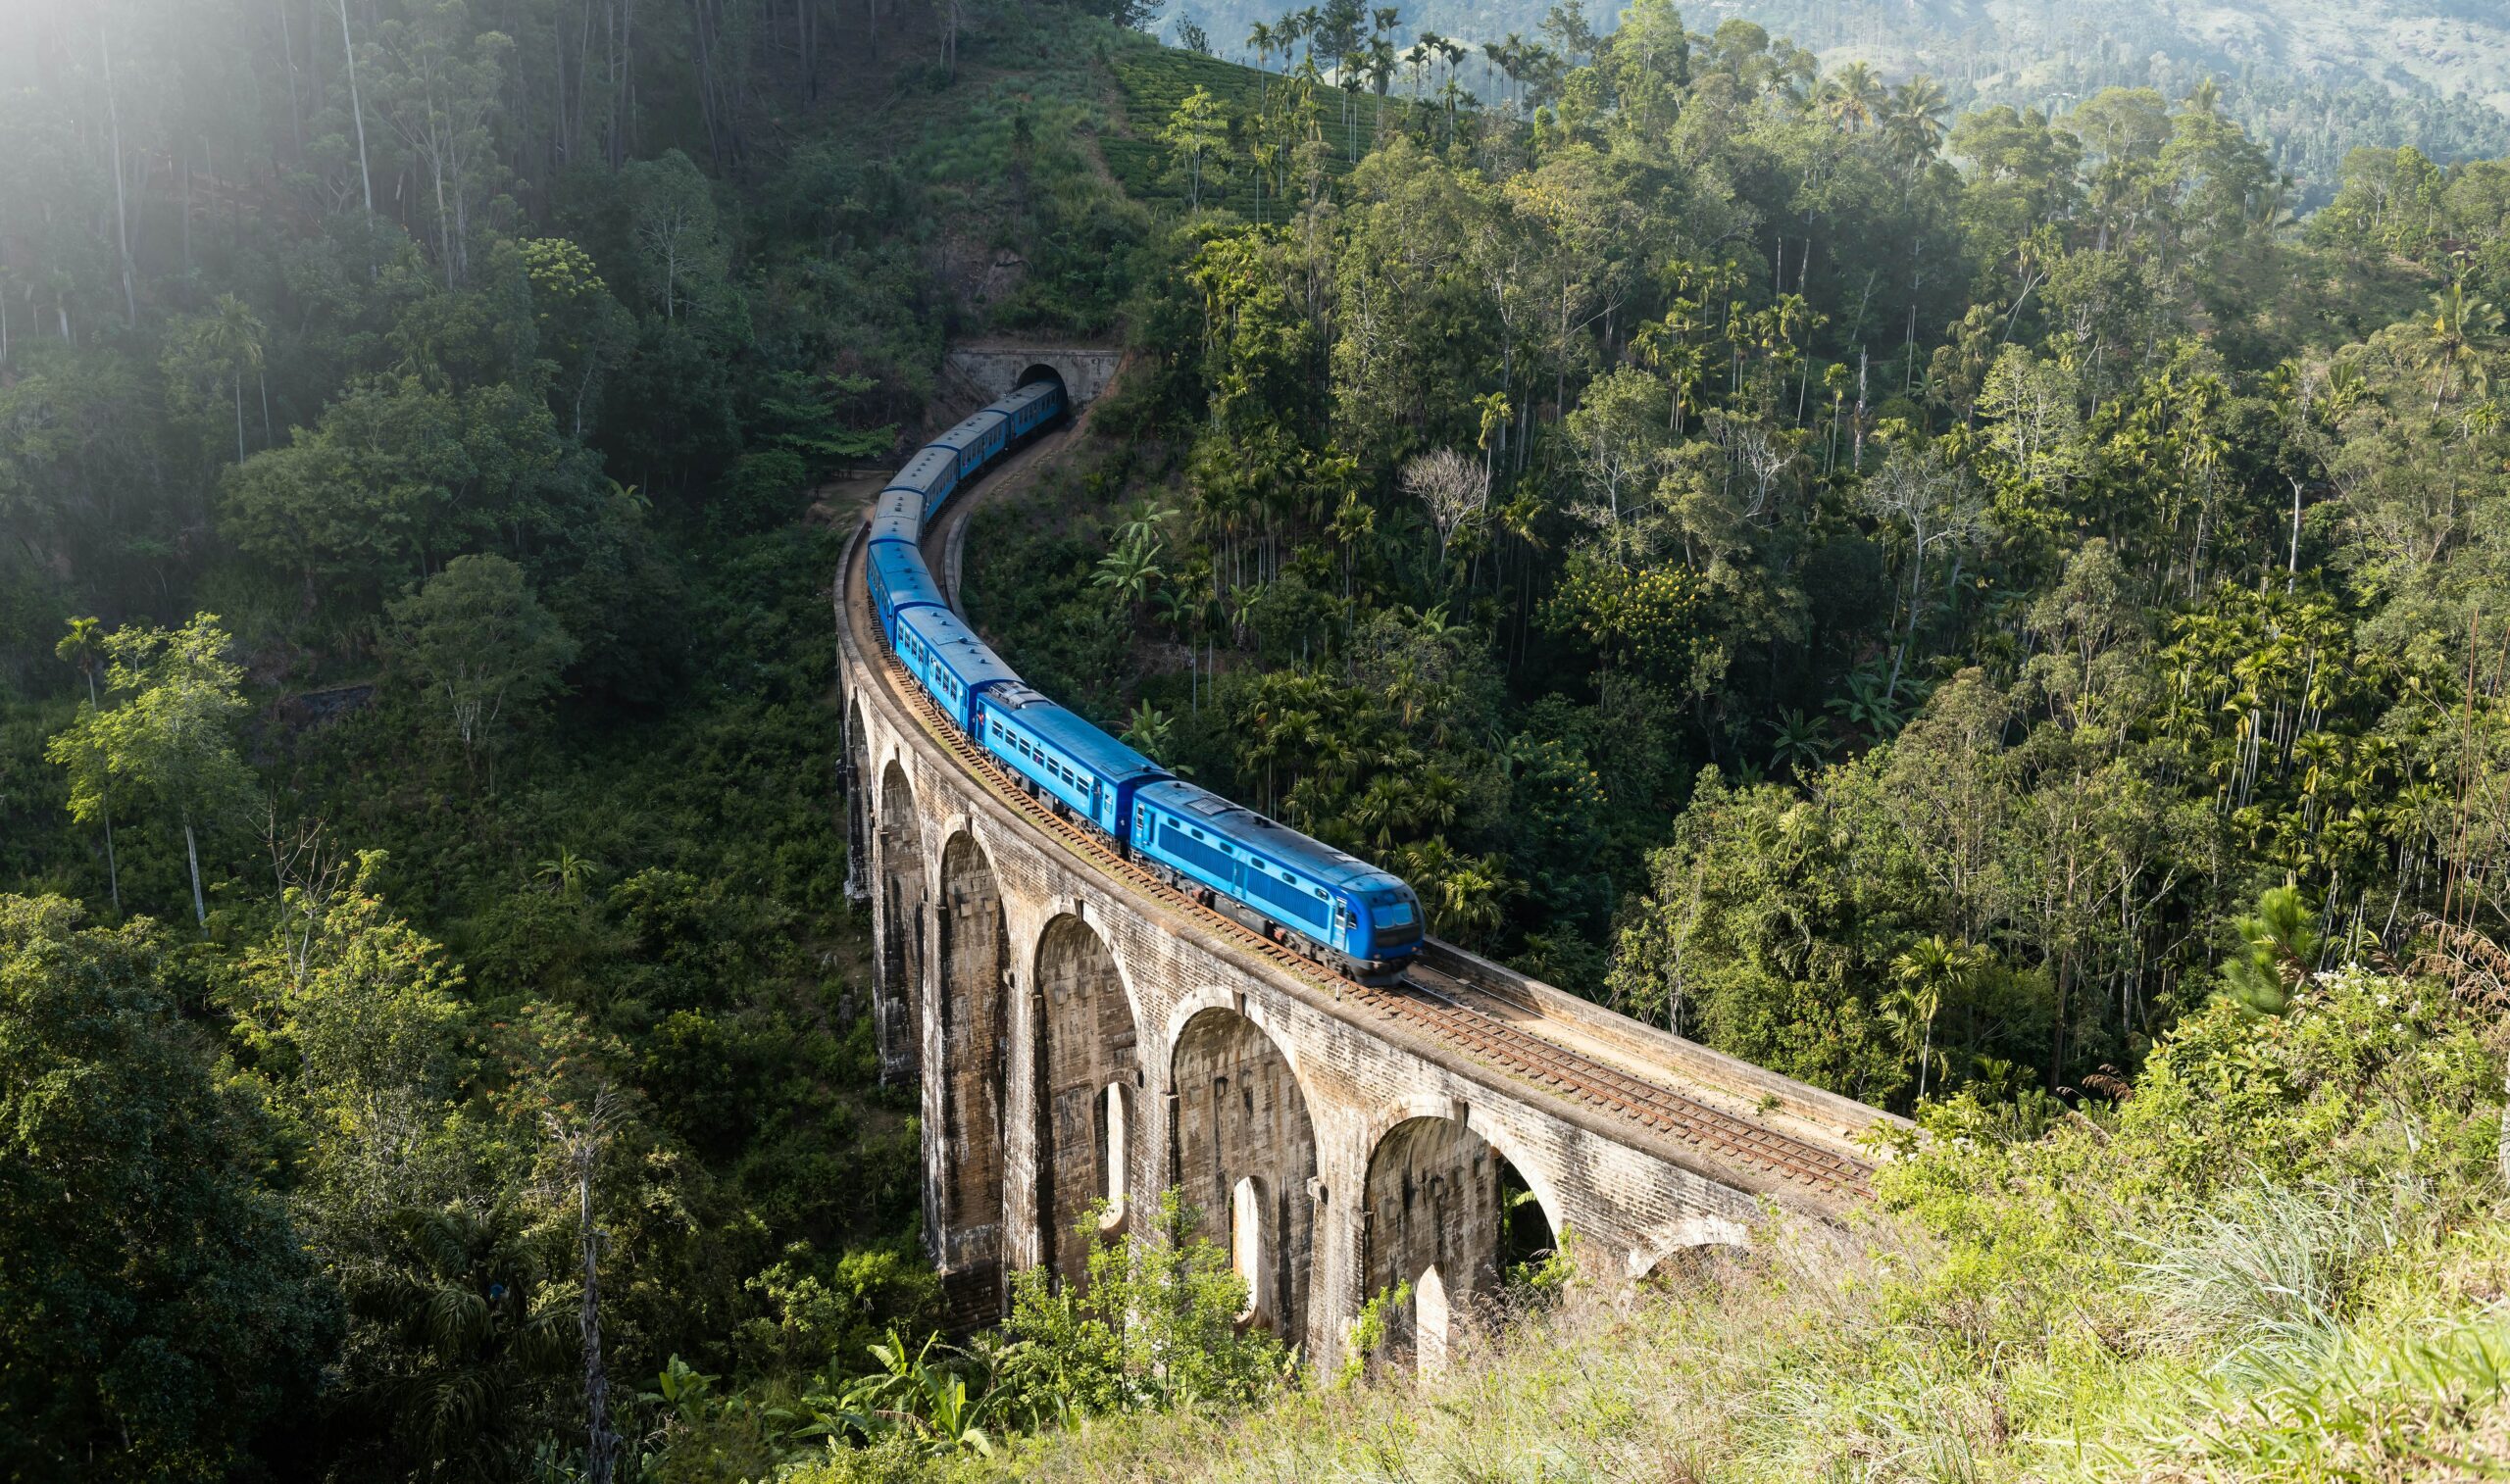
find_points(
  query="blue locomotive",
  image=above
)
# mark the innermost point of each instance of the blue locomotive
(1333, 906)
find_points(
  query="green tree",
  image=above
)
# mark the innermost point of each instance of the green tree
(682, 255)
(171, 739)
(1155, 1326)
(83, 646)
(221, 345)
(2281, 945)
(482, 647)
(440, 81)
(157, 1312)
(477, 1340)
(351, 1018)
(1930, 972)
(1197, 134)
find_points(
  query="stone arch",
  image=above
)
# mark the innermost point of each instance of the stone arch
(1432, 1205)
(1043, 372)
(854, 777)
(971, 942)
(902, 892)
(1089, 1076)
(1690, 1238)
(1241, 1123)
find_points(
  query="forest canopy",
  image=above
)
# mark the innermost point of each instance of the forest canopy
(1947, 602)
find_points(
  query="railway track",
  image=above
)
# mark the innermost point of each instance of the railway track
(1422, 1001)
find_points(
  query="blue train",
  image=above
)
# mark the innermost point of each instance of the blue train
(1335, 909)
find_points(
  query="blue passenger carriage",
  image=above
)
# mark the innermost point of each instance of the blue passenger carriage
(1333, 906)
(932, 474)
(898, 516)
(1032, 407)
(900, 582)
(947, 659)
(1063, 756)
(976, 440)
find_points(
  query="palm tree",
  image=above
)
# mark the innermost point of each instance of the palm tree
(2453, 347)
(1511, 57)
(1931, 969)
(465, 1309)
(1132, 570)
(1916, 117)
(568, 872)
(84, 647)
(232, 333)
(1857, 97)
(1803, 743)
(1260, 39)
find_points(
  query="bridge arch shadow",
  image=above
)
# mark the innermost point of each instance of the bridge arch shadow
(1089, 1082)
(901, 893)
(973, 942)
(1243, 1153)
(1449, 1214)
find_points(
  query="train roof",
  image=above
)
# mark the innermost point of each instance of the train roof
(1084, 743)
(903, 572)
(894, 529)
(1023, 396)
(925, 470)
(968, 430)
(955, 645)
(1018, 695)
(1334, 867)
(898, 500)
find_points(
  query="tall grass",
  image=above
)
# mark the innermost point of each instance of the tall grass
(2288, 1259)
(2269, 1269)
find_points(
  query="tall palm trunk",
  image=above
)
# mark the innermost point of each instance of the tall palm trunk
(112, 870)
(191, 851)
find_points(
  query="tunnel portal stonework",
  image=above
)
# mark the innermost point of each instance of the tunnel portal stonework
(1083, 1046)
(997, 368)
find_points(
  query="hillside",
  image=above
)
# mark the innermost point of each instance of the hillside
(2015, 635)
(2311, 77)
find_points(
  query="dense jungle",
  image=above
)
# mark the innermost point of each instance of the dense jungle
(1999, 611)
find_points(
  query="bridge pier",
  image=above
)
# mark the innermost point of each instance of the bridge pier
(1079, 1040)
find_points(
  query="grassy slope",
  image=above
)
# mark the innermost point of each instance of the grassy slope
(2286, 1259)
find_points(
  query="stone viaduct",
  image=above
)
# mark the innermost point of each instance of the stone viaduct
(1085, 1039)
